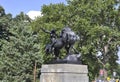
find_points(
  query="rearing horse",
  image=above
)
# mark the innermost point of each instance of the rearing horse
(67, 39)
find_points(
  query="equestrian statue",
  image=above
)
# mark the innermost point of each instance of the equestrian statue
(66, 39)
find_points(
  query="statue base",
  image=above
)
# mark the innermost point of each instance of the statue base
(64, 61)
(64, 73)
(69, 59)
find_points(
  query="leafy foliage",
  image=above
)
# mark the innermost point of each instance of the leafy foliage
(96, 22)
(19, 55)
(22, 42)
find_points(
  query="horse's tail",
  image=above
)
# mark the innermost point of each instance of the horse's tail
(48, 49)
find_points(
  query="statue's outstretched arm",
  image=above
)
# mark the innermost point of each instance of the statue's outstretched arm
(46, 31)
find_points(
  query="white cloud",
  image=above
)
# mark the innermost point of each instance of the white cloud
(34, 14)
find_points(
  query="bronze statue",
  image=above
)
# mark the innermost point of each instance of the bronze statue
(66, 39)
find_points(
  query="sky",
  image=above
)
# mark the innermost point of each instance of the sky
(16, 6)
(119, 55)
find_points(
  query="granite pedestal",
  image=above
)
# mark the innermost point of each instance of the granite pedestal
(64, 73)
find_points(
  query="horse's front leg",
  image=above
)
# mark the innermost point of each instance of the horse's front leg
(70, 49)
(75, 50)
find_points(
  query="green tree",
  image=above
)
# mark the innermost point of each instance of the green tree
(2, 11)
(19, 55)
(97, 24)
(4, 24)
(53, 18)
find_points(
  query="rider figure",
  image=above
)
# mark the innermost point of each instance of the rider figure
(53, 36)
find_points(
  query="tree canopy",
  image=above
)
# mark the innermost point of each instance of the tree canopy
(20, 49)
(97, 24)
(22, 42)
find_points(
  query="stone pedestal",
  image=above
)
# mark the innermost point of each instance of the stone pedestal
(64, 73)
